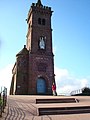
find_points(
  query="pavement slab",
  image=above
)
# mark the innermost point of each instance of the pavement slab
(24, 108)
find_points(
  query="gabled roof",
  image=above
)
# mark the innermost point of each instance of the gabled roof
(23, 51)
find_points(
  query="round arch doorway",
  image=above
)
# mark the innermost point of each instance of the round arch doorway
(41, 86)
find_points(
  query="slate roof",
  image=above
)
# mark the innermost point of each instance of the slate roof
(23, 51)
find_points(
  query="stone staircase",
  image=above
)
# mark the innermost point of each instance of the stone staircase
(54, 106)
(63, 110)
(56, 100)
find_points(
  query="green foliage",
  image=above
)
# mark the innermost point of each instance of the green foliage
(86, 91)
(1, 102)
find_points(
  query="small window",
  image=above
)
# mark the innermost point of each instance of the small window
(29, 25)
(43, 21)
(39, 21)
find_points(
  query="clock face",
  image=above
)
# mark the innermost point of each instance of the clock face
(42, 43)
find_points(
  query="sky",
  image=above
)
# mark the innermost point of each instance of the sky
(71, 40)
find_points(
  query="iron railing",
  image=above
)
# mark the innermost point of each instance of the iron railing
(75, 92)
(3, 99)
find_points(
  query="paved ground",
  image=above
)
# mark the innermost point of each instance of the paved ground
(24, 108)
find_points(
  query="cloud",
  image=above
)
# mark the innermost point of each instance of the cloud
(84, 82)
(54, 49)
(6, 76)
(67, 83)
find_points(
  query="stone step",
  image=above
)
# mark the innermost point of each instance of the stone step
(63, 110)
(56, 100)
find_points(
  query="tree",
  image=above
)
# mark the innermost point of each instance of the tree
(86, 91)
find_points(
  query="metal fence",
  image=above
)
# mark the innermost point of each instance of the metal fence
(3, 99)
(75, 92)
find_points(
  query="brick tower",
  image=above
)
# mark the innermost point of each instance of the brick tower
(38, 74)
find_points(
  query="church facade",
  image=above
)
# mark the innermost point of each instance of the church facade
(33, 72)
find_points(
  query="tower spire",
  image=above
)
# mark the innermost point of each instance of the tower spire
(39, 3)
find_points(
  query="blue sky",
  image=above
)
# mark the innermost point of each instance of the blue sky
(71, 40)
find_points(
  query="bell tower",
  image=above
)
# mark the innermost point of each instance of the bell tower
(39, 45)
(39, 27)
(33, 71)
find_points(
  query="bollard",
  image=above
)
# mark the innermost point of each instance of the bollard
(5, 96)
(3, 100)
(0, 111)
(0, 106)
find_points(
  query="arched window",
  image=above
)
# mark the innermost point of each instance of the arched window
(43, 21)
(39, 21)
(42, 43)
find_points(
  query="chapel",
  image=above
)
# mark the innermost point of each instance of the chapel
(33, 71)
